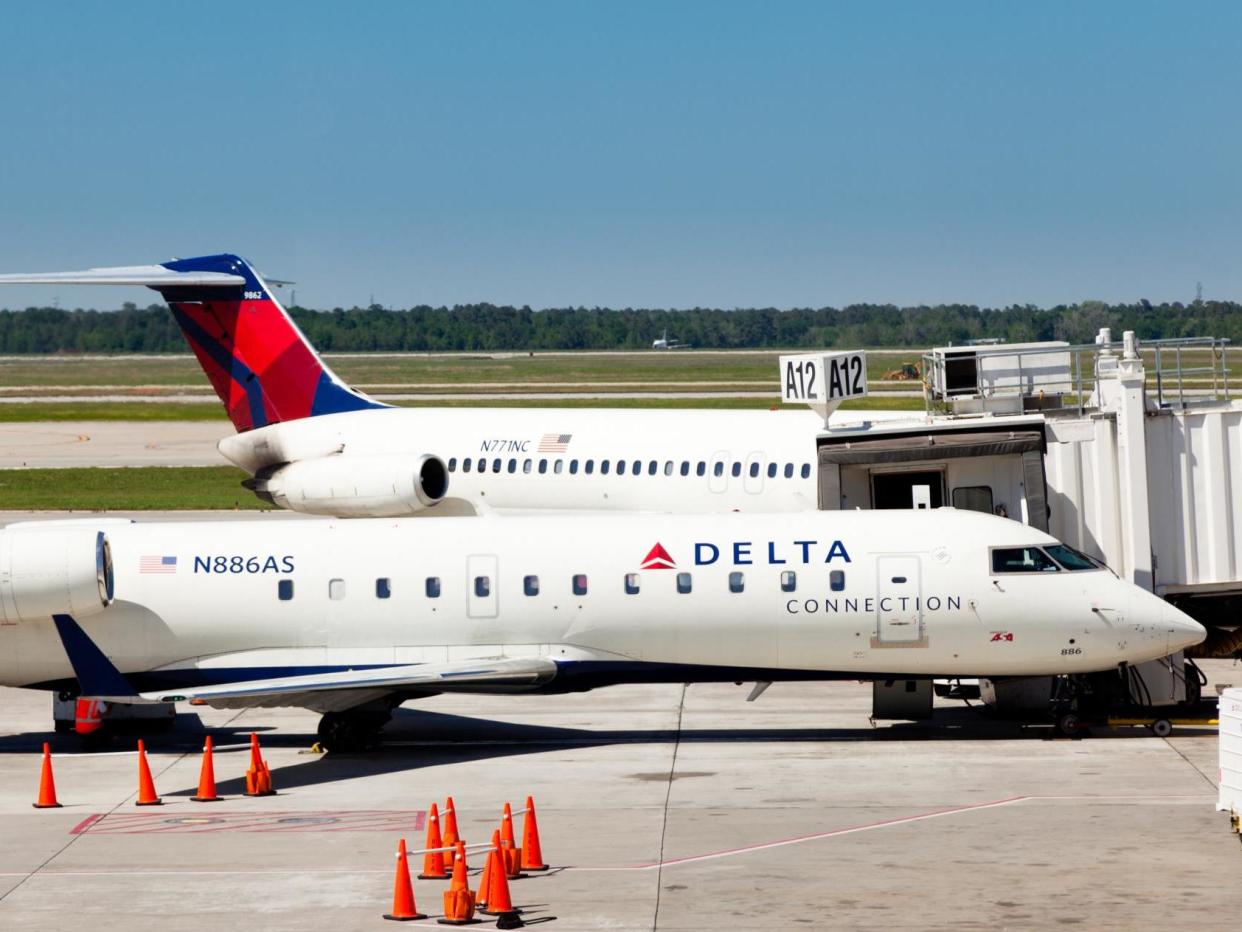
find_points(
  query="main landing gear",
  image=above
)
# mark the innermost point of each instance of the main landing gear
(353, 730)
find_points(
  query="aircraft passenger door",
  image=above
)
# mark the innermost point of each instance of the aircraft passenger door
(753, 484)
(718, 471)
(482, 580)
(899, 615)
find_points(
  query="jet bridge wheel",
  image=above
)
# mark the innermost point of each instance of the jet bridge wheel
(345, 732)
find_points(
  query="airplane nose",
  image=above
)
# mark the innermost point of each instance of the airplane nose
(1184, 631)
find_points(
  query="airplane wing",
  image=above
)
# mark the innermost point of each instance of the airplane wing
(501, 674)
(154, 276)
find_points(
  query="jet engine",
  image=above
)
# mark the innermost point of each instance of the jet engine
(354, 486)
(52, 570)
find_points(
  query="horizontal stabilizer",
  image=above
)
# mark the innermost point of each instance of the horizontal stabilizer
(460, 676)
(153, 276)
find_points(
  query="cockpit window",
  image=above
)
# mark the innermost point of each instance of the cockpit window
(1022, 560)
(1070, 558)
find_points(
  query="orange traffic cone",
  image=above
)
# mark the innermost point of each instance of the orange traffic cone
(146, 786)
(47, 783)
(403, 907)
(485, 879)
(206, 778)
(532, 854)
(258, 777)
(508, 845)
(450, 823)
(499, 903)
(458, 900)
(433, 860)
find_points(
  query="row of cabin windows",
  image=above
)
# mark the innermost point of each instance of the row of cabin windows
(482, 585)
(653, 467)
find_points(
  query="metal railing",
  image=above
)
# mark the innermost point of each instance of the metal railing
(1180, 372)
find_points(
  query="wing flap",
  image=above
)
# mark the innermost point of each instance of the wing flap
(154, 276)
(461, 676)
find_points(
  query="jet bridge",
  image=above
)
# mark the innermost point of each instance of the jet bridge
(1131, 453)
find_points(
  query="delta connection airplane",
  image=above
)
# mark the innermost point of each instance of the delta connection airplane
(313, 444)
(352, 618)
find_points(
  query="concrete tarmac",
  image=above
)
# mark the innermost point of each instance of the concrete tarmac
(660, 807)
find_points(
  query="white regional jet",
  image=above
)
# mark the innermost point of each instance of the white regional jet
(313, 444)
(352, 618)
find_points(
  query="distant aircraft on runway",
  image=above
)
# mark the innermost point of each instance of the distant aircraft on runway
(352, 618)
(313, 444)
(665, 343)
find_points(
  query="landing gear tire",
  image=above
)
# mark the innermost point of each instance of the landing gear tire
(1162, 728)
(1069, 724)
(351, 732)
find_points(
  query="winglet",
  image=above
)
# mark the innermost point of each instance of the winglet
(97, 677)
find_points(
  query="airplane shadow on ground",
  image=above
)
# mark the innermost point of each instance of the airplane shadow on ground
(415, 739)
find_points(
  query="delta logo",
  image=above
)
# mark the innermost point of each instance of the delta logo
(658, 558)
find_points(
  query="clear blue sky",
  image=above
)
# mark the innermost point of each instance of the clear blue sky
(640, 154)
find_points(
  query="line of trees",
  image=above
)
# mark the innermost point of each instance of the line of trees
(490, 327)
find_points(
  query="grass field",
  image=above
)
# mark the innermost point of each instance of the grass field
(213, 411)
(134, 489)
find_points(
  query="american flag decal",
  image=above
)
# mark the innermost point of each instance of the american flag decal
(157, 564)
(554, 443)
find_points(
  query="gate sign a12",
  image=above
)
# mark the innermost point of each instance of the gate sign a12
(823, 378)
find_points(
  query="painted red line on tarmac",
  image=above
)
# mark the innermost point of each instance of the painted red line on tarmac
(85, 824)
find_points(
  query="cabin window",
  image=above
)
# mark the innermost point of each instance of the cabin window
(530, 585)
(527, 465)
(631, 584)
(737, 581)
(789, 581)
(580, 584)
(558, 467)
(573, 467)
(482, 586)
(452, 464)
(496, 464)
(543, 467)
(432, 587)
(383, 587)
(336, 589)
(637, 469)
(772, 470)
(700, 469)
(512, 466)
(284, 590)
(754, 470)
(1022, 560)
(683, 583)
(589, 467)
(973, 498)
(620, 467)
(652, 467)
(806, 470)
(718, 469)
(789, 470)
(603, 467)
(736, 470)
(836, 580)
(1070, 558)
(668, 467)
(685, 468)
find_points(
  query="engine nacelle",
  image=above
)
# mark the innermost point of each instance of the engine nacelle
(53, 570)
(355, 486)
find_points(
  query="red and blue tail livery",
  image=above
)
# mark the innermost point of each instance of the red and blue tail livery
(258, 361)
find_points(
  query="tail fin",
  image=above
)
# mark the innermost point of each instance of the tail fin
(260, 364)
